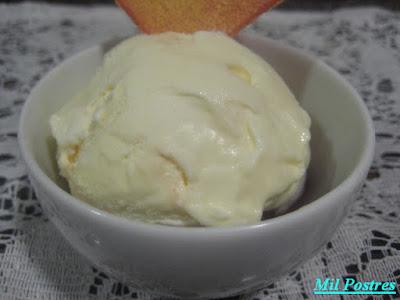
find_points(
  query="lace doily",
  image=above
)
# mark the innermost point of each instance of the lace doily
(362, 44)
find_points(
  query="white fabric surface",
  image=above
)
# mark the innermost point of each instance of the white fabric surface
(362, 44)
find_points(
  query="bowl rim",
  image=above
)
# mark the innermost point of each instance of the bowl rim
(346, 186)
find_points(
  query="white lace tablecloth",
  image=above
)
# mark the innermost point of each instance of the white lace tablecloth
(362, 44)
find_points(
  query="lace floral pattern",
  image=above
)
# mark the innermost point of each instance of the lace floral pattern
(362, 44)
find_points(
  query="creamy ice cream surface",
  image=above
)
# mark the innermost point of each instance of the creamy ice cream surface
(184, 130)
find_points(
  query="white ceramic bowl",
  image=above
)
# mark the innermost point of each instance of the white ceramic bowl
(210, 262)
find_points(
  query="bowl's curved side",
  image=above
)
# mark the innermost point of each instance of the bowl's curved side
(192, 262)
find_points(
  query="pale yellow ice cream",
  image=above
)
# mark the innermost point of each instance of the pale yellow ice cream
(184, 130)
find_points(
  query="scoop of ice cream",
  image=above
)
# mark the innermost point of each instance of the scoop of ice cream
(185, 130)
